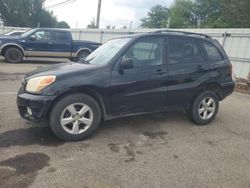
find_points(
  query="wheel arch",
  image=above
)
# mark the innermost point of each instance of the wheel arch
(215, 87)
(83, 50)
(209, 86)
(9, 45)
(87, 91)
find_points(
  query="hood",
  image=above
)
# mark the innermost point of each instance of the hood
(61, 69)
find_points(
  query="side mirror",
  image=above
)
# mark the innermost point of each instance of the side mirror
(127, 64)
(32, 37)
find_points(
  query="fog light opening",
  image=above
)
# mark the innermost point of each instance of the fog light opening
(29, 111)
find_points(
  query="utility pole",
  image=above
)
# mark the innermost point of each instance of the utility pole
(130, 25)
(98, 13)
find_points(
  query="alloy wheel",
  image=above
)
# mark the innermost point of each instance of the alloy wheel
(207, 108)
(76, 118)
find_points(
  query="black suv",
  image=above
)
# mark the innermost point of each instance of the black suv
(127, 76)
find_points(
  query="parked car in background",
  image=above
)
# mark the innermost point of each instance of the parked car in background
(45, 43)
(15, 33)
(127, 76)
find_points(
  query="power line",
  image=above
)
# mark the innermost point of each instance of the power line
(61, 3)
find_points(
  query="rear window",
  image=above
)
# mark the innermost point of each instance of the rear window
(60, 36)
(213, 53)
(183, 50)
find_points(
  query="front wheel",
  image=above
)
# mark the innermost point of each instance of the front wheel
(13, 55)
(75, 117)
(204, 108)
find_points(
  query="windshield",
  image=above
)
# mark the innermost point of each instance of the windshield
(107, 51)
(27, 33)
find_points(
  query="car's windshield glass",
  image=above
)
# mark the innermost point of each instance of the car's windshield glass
(107, 51)
(27, 33)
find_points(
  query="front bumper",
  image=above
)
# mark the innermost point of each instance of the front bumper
(34, 107)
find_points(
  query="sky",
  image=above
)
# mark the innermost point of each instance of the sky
(116, 13)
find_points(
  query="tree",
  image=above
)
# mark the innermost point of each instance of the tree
(236, 13)
(182, 14)
(92, 24)
(26, 13)
(62, 24)
(157, 17)
(201, 14)
(209, 13)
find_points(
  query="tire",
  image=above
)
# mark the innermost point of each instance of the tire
(202, 112)
(63, 111)
(81, 56)
(13, 55)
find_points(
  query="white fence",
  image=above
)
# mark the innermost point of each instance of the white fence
(236, 42)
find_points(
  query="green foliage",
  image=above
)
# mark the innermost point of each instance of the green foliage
(26, 13)
(62, 24)
(209, 13)
(182, 14)
(236, 13)
(157, 17)
(92, 24)
(200, 14)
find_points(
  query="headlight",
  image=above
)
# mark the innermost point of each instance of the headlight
(36, 85)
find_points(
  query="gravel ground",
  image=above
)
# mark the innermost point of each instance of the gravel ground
(158, 150)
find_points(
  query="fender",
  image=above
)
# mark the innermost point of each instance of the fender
(12, 44)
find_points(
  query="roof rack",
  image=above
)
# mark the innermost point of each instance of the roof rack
(181, 32)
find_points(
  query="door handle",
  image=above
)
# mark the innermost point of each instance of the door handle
(50, 42)
(160, 72)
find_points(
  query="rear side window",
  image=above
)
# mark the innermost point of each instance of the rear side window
(60, 36)
(213, 53)
(183, 50)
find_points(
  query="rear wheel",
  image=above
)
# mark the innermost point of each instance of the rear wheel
(75, 117)
(13, 55)
(205, 108)
(82, 56)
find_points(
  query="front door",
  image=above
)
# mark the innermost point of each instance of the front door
(40, 45)
(143, 87)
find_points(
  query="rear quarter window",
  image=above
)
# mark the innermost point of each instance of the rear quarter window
(213, 54)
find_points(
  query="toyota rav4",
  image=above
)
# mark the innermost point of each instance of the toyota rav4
(126, 76)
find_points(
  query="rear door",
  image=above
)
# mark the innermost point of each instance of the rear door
(61, 43)
(187, 69)
(143, 87)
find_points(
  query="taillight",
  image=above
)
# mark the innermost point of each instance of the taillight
(231, 69)
(231, 72)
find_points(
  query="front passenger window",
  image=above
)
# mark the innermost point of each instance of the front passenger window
(43, 35)
(145, 52)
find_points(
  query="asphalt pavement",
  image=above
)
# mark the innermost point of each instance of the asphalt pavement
(157, 150)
